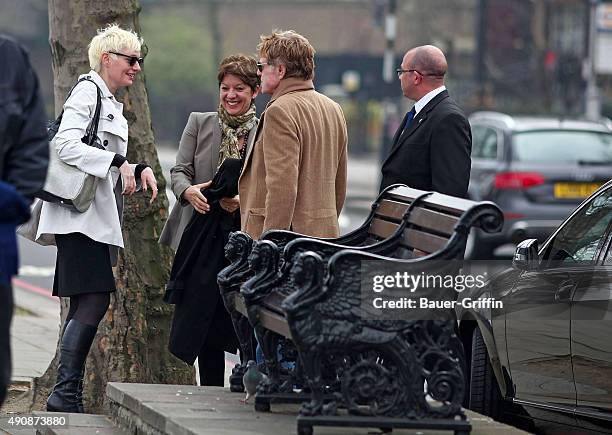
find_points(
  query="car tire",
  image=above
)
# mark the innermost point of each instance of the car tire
(485, 396)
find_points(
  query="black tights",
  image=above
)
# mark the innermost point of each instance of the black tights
(211, 359)
(88, 308)
(211, 364)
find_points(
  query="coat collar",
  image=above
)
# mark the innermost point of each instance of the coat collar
(286, 86)
(251, 141)
(420, 117)
(418, 120)
(419, 105)
(290, 84)
(98, 80)
(216, 144)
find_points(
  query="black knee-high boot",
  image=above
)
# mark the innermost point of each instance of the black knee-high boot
(80, 388)
(76, 342)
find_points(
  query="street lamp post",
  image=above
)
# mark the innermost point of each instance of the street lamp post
(390, 33)
(592, 100)
(388, 74)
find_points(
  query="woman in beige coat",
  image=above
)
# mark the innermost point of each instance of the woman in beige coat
(208, 139)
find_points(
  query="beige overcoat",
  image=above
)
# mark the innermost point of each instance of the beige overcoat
(294, 176)
(196, 162)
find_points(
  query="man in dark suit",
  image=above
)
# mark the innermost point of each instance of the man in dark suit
(431, 148)
(24, 155)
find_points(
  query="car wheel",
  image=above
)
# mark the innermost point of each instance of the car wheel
(485, 396)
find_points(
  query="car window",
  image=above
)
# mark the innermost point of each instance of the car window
(563, 146)
(484, 142)
(580, 239)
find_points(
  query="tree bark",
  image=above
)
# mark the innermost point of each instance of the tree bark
(131, 344)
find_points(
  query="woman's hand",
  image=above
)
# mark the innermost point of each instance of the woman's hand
(230, 205)
(147, 179)
(194, 195)
(127, 178)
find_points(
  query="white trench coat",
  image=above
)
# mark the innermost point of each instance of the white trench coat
(102, 220)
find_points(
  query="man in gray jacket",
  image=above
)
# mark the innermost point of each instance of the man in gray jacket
(24, 155)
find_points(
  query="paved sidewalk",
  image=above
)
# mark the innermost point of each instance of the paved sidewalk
(190, 410)
(34, 333)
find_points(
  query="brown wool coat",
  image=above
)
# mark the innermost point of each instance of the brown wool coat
(294, 176)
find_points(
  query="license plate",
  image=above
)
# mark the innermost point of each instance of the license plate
(575, 190)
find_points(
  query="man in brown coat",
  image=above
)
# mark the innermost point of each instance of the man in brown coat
(294, 176)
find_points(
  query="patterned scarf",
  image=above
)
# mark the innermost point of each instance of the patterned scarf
(232, 128)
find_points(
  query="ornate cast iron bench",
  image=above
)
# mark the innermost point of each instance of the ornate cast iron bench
(379, 233)
(390, 365)
(379, 370)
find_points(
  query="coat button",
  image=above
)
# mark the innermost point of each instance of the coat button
(105, 143)
(111, 117)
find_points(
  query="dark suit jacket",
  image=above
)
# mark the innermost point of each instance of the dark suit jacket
(434, 152)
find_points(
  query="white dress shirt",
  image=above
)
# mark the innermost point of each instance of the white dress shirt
(418, 106)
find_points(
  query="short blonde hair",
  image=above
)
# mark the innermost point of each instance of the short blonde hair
(111, 38)
(292, 50)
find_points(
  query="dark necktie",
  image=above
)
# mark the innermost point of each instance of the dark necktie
(409, 118)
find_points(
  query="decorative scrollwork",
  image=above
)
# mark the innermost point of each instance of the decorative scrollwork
(448, 389)
(369, 388)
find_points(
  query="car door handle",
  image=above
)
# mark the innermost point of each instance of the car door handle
(564, 292)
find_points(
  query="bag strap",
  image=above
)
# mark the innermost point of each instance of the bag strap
(91, 132)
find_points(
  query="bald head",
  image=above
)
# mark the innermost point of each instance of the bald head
(429, 66)
(429, 60)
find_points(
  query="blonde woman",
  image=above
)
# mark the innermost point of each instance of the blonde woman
(87, 243)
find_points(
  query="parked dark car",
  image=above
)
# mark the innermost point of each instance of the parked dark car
(537, 170)
(546, 355)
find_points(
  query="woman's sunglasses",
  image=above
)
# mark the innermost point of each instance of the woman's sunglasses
(131, 59)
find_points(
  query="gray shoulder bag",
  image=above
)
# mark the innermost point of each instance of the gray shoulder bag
(67, 185)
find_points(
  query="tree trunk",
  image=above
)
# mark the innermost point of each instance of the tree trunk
(131, 345)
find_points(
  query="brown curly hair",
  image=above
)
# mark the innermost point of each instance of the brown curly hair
(242, 66)
(291, 49)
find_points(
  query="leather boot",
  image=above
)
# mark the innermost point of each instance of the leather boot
(79, 395)
(76, 342)
(80, 388)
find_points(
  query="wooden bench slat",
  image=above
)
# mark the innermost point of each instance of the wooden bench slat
(436, 200)
(274, 322)
(382, 229)
(433, 220)
(269, 319)
(394, 210)
(423, 241)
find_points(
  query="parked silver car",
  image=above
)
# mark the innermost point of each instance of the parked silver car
(537, 170)
(545, 356)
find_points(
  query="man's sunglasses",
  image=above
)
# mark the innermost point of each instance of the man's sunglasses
(400, 71)
(131, 59)
(260, 65)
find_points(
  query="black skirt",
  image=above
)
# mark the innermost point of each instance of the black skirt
(82, 266)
